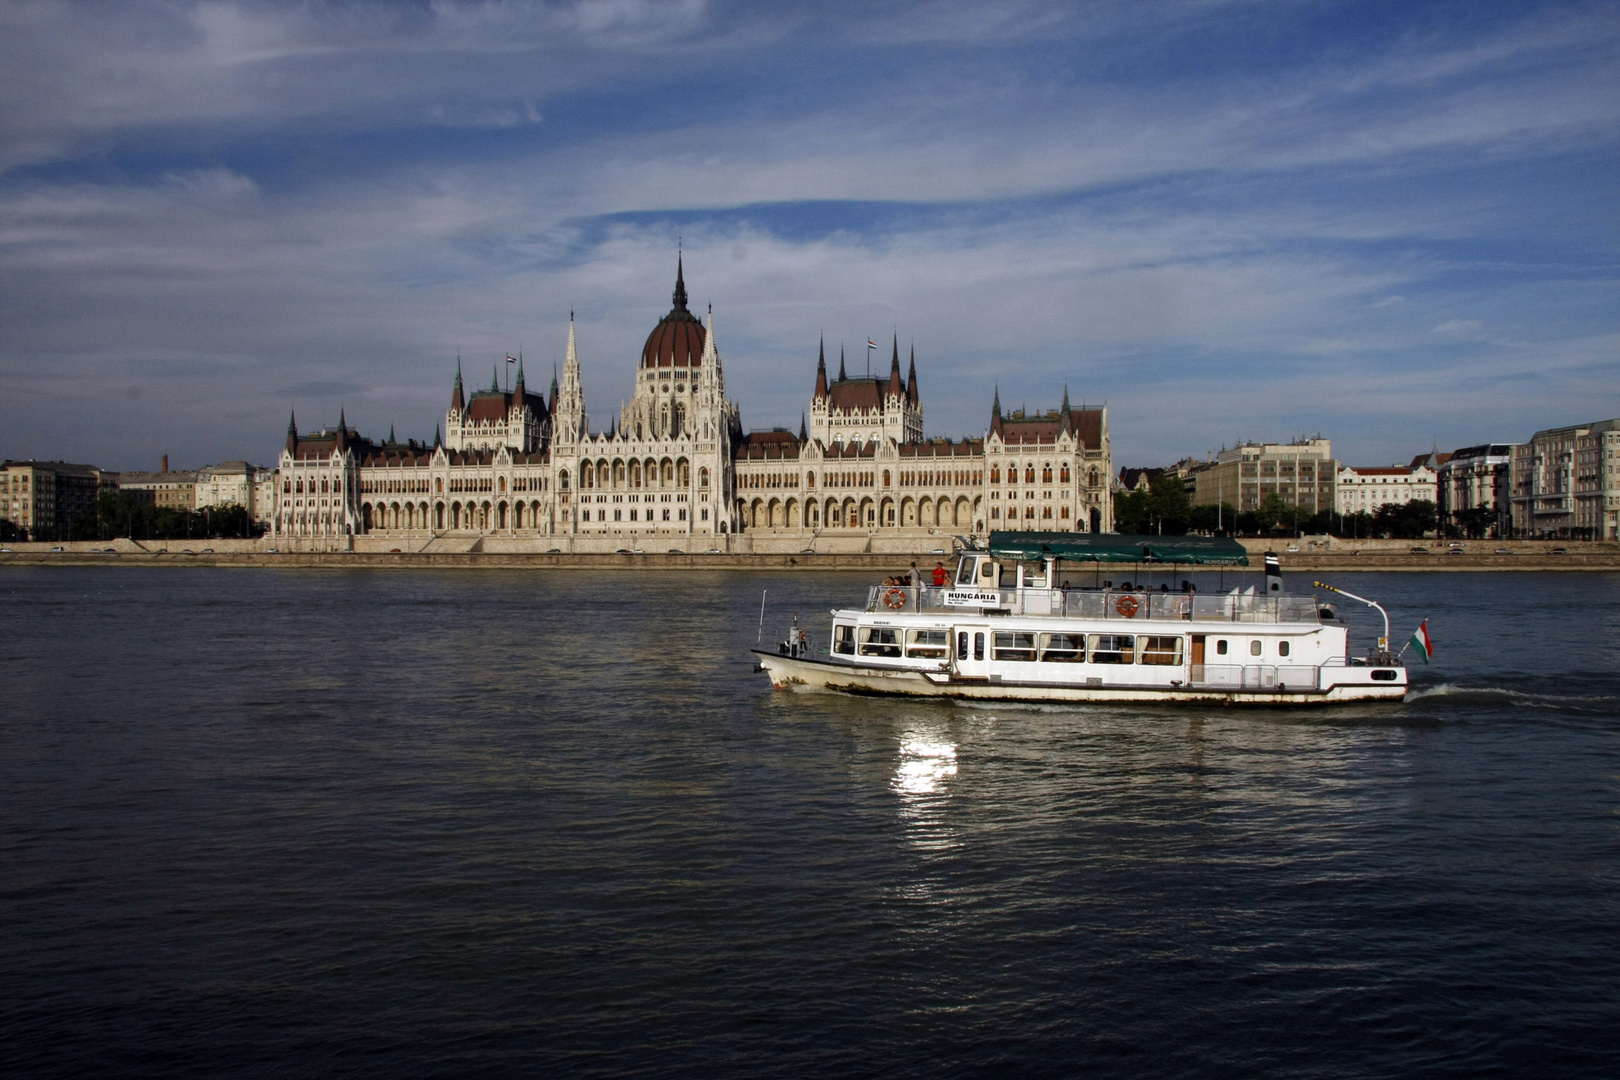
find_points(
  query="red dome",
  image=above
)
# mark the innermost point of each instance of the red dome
(677, 340)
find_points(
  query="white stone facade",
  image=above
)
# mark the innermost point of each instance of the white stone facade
(1364, 490)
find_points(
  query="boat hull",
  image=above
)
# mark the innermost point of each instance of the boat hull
(808, 673)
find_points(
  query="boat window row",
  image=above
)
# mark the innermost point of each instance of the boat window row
(1032, 647)
(1256, 647)
(893, 642)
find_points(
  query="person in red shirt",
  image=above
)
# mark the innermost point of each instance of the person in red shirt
(942, 576)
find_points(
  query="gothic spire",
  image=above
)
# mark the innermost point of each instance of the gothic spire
(911, 378)
(495, 382)
(458, 401)
(680, 283)
(896, 389)
(841, 375)
(804, 433)
(821, 370)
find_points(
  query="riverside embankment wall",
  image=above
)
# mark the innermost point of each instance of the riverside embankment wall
(1306, 556)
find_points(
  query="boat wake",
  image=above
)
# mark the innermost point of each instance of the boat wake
(1515, 697)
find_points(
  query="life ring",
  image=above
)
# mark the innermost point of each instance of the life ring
(894, 599)
(1127, 606)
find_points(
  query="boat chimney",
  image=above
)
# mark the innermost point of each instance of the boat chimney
(1273, 573)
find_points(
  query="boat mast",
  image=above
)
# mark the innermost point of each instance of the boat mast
(1383, 642)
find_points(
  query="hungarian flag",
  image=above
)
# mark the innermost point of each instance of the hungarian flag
(1421, 639)
(870, 344)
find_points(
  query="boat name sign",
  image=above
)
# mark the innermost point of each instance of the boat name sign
(970, 598)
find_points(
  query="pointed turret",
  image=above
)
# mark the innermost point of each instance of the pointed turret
(711, 354)
(438, 439)
(457, 401)
(841, 375)
(342, 429)
(517, 391)
(292, 432)
(495, 381)
(995, 411)
(911, 378)
(804, 432)
(896, 388)
(391, 439)
(821, 371)
(1063, 410)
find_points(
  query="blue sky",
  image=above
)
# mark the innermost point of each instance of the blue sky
(1393, 224)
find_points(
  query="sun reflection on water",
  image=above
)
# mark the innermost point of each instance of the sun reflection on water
(924, 765)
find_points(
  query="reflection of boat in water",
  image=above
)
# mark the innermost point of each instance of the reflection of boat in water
(1005, 629)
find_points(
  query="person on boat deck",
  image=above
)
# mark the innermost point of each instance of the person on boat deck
(915, 576)
(942, 576)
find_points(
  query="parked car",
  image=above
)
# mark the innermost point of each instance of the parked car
(676, 551)
(1420, 551)
(1558, 551)
(553, 551)
(1456, 551)
(622, 551)
(808, 551)
(712, 551)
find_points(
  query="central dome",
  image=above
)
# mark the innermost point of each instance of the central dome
(677, 340)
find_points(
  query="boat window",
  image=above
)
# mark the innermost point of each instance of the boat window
(1063, 648)
(844, 639)
(1014, 645)
(1161, 650)
(1220, 647)
(961, 645)
(880, 641)
(1282, 648)
(933, 644)
(964, 572)
(1113, 649)
(978, 646)
(1254, 648)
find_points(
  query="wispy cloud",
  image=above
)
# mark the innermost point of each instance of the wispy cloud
(1372, 224)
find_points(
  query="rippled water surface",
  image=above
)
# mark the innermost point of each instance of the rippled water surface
(470, 823)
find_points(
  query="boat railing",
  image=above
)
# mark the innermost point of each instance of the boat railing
(1279, 677)
(1095, 604)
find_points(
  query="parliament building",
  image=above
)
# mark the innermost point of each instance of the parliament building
(521, 470)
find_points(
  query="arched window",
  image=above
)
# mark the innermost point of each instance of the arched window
(562, 480)
(810, 480)
(1064, 474)
(886, 484)
(1012, 472)
(1046, 473)
(502, 484)
(703, 478)
(995, 474)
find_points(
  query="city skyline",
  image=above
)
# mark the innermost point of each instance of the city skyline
(1226, 221)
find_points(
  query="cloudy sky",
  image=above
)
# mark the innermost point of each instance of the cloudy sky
(1395, 224)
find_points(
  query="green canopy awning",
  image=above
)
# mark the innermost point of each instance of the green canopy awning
(1118, 548)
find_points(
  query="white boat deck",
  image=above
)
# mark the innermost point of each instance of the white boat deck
(1126, 605)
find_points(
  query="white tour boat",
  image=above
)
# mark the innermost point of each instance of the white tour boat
(1008, 628)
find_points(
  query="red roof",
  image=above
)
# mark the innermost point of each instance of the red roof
(1086, 424)
(857, 395)
(758, 445)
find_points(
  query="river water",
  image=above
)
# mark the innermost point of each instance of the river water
(256, 822)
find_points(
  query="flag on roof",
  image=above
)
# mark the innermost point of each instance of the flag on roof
(1424, 643)
(870, 344)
